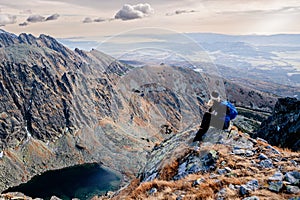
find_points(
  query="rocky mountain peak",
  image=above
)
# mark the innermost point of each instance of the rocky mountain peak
(283, 127)
(7, 38)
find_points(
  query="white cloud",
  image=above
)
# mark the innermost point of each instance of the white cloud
(178, 12)
(52, 17)
(7, 19)
(99, 20)
(129, 12)
(23, 24)
(87, 20)
(35, 18)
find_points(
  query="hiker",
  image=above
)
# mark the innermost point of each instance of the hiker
(219, 115)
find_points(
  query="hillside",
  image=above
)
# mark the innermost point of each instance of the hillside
(225, 166)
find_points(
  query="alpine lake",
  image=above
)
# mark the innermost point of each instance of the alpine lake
(82, 182)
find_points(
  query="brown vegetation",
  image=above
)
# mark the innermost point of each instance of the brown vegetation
(242, 168)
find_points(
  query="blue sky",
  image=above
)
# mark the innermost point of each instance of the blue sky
(96, 19)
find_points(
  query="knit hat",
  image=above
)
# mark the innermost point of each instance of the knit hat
(215, 96)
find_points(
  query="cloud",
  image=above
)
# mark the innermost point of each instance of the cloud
(129, 12)
(35, 18)
(7, 19)
(52, 17)
(28, 11)
(178, 12)
(39, 18)
(90, 20)
(87, 20)
(23, 24)
(281, 10)
(99, 20)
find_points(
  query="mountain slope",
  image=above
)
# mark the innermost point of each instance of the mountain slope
(225, 166)
(61, 108)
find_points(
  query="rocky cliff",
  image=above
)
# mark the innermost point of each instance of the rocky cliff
(225, 165)
(283, 127)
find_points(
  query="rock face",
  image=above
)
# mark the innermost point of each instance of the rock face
(225, 165)
(283, 127)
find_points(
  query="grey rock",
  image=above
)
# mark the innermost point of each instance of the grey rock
(292, 177)
(180, 176)
(232, 186)
(261, 140)
(222, 193)
(181, 197)
(295, 198)
(251, 198)
(223, 163)
(249, 153)
(182, 168)
(244, 190)
(275, 186)
(273, 150)
(212, 176)
(253, 184)
(262, 156)
(210, 158)
(276, 159)
(222, 171)
(294, 162)
(266, 163)
(248, 187)
(228, 169)
(55, 198)
(239, 152)
(292, 189)
(282, 128)
(194, 169)
(152, 191)
(278, 176)
(198, 181)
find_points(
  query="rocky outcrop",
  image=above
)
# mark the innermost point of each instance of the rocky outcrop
(226, 165)
(283, 127)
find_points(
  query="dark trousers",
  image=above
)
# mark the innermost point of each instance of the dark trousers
(209, 120)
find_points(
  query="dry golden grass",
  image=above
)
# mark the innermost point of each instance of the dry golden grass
(171, 163)
(242, 171)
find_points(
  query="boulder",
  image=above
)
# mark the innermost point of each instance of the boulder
(283, 127)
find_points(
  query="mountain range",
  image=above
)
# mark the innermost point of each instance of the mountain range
(62, 107)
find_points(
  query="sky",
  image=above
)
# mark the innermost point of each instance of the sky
(96, 19)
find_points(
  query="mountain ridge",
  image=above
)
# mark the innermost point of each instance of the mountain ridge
(61, 108)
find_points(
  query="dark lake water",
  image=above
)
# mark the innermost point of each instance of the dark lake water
(83, 182)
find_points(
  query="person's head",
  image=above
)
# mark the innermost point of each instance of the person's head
(215, 96)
